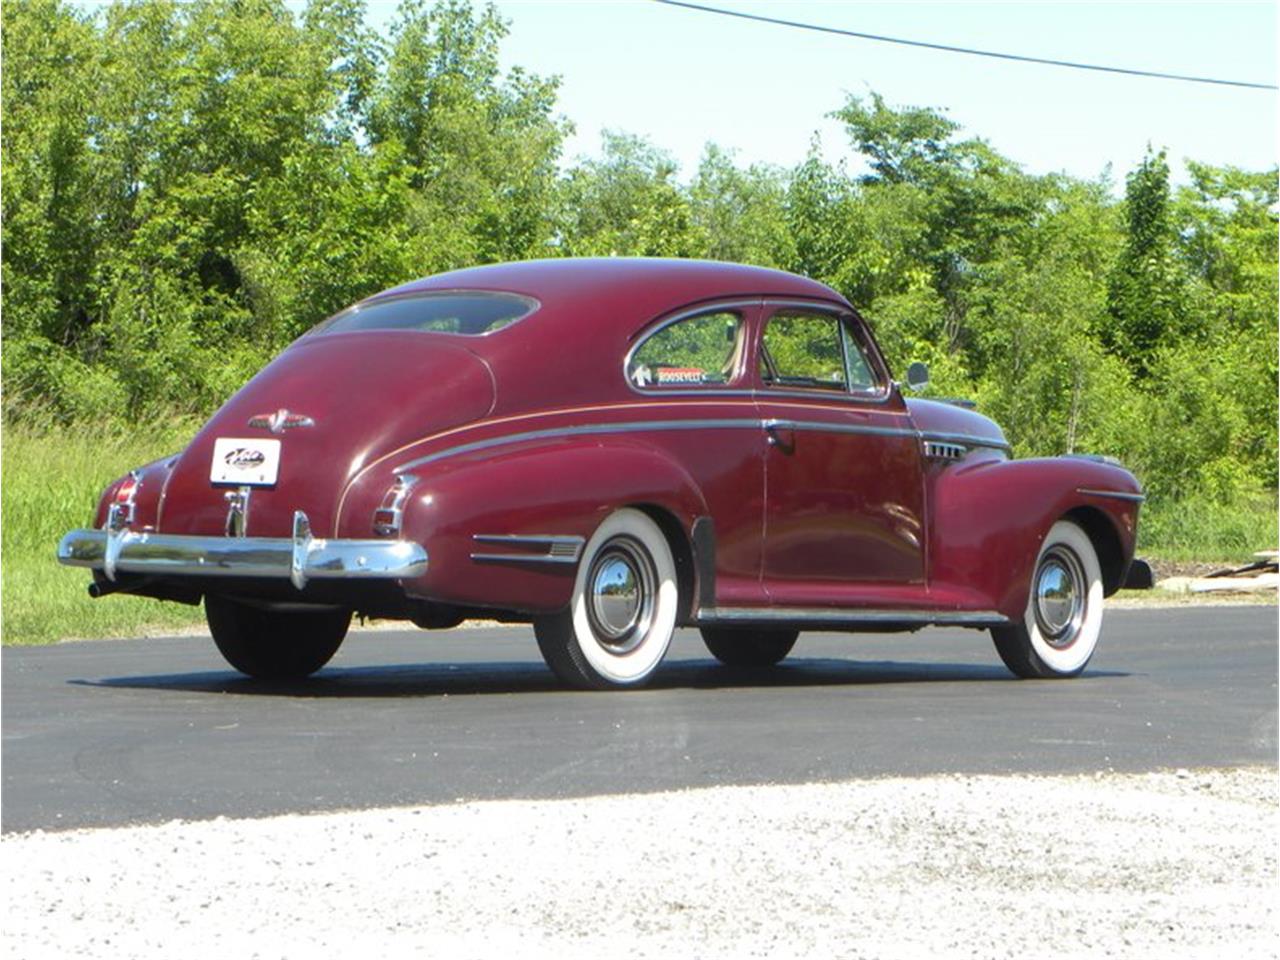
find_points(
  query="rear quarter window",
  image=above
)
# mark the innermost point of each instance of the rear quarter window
(703, 350)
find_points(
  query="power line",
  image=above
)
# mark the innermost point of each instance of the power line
(976, 53)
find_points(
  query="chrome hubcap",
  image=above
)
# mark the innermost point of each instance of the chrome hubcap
(1059, 597)
(621, 593)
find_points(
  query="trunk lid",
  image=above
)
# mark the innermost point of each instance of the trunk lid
(335, 403)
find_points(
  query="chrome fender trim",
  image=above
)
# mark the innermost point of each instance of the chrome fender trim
(549, 548)
(299, 558)
(1112, 494)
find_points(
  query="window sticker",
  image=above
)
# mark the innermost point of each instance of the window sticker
(668, 375)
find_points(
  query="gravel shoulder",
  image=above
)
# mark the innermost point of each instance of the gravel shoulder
(1175, 864)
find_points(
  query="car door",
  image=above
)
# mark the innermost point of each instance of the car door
(691, 372)
(843, 481)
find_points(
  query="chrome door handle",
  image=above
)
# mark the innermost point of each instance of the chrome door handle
(780, 434)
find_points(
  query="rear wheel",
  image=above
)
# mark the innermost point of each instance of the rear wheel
(274, 644)
(749, 648)
(623, 611)
(1060, 627)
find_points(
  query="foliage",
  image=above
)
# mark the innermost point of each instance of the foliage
(626, 204)
(187, 186)
(52, 477)
(1147, 295)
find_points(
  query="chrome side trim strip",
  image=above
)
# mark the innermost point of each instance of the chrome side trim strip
(1113, 494)
(298, 558)
(554, 548)
(596, 429)
(520, 558)
(581, 431)
(851, 616)
(822, 426)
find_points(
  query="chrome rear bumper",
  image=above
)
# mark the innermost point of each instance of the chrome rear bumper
(299, 559)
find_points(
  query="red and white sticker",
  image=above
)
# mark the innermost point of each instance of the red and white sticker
(681, 375)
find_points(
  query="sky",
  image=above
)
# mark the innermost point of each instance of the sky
(683, 78)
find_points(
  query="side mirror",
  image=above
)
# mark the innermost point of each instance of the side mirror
(917, 376)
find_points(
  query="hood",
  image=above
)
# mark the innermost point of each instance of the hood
(336, 403)
(933, 416)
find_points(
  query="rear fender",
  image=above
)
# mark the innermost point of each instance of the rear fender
(990, 519)
(553, 490)
(148, 495)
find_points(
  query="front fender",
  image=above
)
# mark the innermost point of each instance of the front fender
(553, 490)
(990, 519)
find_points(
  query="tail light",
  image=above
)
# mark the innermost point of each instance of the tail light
(120, 512)
(388, 517)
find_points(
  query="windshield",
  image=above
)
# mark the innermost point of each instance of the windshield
(468, 313)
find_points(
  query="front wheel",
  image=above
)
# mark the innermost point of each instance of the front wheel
(274, 644)
(623, 610)
(1060, 627)
(749, 648)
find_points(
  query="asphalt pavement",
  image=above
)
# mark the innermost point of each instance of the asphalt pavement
(105, 733)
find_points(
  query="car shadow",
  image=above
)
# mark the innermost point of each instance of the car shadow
(515, 677)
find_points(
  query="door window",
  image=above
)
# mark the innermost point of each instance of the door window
(803, 350)
(815, 351)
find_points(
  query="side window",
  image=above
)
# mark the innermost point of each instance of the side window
(695, 351)
(804, 350)
(862, 377)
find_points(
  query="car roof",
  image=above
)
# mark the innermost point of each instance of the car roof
(647, 286)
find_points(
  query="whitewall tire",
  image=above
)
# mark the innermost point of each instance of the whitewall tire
(623, 610)
(1063, 619)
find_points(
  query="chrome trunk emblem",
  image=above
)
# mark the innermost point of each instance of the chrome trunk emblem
(281, 421)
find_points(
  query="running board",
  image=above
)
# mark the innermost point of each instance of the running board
(846, 618)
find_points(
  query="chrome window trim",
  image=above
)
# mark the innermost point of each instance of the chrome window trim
(851, 616)
(645, 334)
(1113, 494)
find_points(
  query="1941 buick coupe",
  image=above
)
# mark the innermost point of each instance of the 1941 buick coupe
(610, 449)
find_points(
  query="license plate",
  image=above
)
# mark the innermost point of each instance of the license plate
(252, 463)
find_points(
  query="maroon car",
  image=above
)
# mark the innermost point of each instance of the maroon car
(610, 449)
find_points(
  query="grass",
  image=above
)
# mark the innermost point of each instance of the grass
(1213, 531)
(52, 478)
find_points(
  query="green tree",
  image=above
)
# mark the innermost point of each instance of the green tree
(627, 203)
(1147, 296)
(740, 214)
(481, 149)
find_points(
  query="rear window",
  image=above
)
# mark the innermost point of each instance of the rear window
(470, 314)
